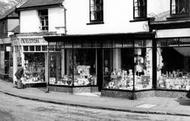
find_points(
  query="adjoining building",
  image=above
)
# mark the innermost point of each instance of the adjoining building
(38, 18)
(173, 48)
(8, 22)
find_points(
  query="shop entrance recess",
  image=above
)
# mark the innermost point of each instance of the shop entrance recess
(99, 69)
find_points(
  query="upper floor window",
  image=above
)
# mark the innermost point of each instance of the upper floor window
(180, 7)
(43, 15)
(139, 9)
(96, 11)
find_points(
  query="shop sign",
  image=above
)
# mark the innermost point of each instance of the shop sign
(32, 41)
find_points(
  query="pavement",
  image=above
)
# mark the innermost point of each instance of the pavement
(149, 105)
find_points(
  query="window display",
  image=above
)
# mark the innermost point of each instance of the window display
(143, 68)
(118, 68)
(128, 68)
(77, 67)
(34, 70)
(173, 75)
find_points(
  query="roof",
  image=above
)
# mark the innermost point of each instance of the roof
(39, 3)
(9, 13)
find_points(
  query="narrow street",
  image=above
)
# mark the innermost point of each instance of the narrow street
(16, 109)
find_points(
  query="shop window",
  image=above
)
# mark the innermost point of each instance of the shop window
(173, 75)
(180, 7)
(139, 9)
(44, 48)
(96, 11)
(73, 67)
(143, 68)
(25, 48)
(128, 68)
(31, 48)
(84, 67)
(38, 48)
(118, 68)
(43, 16)
(34, 68)
(55, 68)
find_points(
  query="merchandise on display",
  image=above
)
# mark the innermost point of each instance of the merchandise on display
(174, 80)
(33, 73)
(82, 77)
(123, 79)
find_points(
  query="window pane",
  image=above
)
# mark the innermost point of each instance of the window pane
(143, 68)
(118, 68)
(173, 75)
(84, 67)
(55, 69)
(25, 48)
(34, 68)
(180, 7)
(44, 48)
(31, 48)
(96, 10)
(43, 16)
(139, 8)
(38, 48)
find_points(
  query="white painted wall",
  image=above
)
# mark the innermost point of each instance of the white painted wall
(117, 16)
(56, 20)
(29, 21)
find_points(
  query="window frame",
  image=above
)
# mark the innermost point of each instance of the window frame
(44, 22)
(141, 9)
(176, 7)
(98, 12)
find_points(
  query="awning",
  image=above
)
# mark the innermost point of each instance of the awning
(102, 37)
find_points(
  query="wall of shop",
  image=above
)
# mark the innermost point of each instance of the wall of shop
(29, 20)
(56, 20)
(117, 17)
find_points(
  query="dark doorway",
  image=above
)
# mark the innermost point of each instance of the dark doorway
(99, 69)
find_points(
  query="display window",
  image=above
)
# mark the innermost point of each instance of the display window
(84, 67)
(34, 68)
(73, 67)
(118, 68)
(128, 67)
(173, 64)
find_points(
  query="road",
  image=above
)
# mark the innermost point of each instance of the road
(17, 109)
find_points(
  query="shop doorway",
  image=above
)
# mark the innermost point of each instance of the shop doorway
(99, 69)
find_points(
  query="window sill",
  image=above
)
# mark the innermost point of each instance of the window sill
(141, 19)
(94, 23)
(178, 17)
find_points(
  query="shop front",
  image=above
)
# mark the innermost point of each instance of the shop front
(5, 59)
(30, 53)
(173, 66)
(115, 64)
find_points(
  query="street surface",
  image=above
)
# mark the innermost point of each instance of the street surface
(17, 109)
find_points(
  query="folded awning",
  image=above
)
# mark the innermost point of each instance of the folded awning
(102, 37)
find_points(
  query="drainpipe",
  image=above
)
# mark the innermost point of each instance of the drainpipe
(65, 21)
